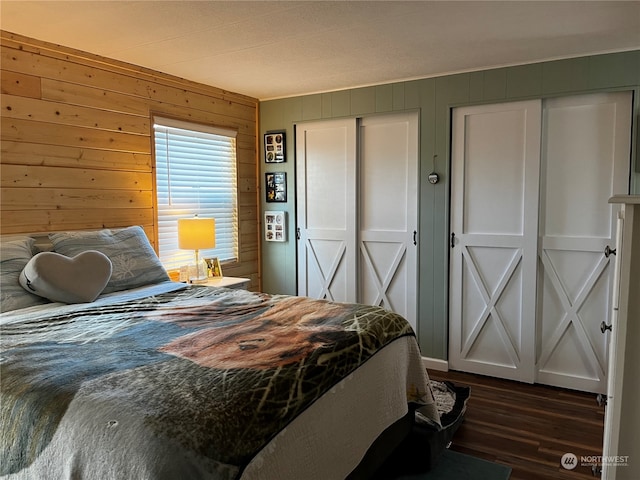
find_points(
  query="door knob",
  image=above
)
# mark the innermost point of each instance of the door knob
(604, 327)
(608, 251)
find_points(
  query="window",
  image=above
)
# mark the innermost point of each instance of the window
(195, 174)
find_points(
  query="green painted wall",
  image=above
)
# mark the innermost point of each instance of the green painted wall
(434, 98)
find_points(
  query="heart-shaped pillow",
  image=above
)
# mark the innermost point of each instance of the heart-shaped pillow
(59, 278)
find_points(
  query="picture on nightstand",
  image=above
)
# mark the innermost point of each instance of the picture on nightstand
(213, 267)
(275, 226)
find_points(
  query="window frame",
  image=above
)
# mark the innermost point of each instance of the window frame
(189, 125)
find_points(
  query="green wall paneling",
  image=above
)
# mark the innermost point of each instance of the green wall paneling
(340, 104)
(614, 70)
(363, 101)
(488, 86)
(398, 96)
(384, 98)
(565, 76)
(326, 105)
(312, 107)
(524, 81)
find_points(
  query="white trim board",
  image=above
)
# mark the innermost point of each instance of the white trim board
(435, 364)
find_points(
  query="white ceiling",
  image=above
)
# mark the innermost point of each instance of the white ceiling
(273, 49)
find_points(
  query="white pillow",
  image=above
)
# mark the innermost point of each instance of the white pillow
(63, 279)
(135, 263)
(15, 252)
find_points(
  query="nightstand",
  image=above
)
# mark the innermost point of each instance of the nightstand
(227, 282)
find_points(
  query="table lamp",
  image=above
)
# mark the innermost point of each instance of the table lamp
(195, 234)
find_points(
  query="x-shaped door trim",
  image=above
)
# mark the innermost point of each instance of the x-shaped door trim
(490, 302)
(571, 315)
(382, 287)
(326, 280)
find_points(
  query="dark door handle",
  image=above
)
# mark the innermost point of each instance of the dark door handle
(604, 327)
(453, 239)
(608, 251)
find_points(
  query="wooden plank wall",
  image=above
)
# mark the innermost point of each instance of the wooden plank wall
(76, 143)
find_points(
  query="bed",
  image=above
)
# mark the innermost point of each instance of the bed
(155, 379)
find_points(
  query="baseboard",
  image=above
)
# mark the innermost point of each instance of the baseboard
(435, 364)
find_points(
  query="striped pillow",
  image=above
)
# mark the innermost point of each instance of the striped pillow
(134, 261)
(15, 252)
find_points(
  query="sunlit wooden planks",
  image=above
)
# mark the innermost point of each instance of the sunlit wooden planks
(72, 136)
(72, 198)
(27, 153)
(18, 107)
(28, 176)
(18, 221)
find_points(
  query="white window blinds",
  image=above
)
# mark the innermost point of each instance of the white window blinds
(195, 174)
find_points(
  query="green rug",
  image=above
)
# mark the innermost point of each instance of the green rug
(457, 466)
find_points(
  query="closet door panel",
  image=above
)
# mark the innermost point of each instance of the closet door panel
(388, 207)
(494, 218)
(586, 152)
(326, 210)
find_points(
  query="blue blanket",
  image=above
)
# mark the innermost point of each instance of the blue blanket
(184, 384)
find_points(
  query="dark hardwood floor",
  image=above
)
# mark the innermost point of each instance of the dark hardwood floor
(527, 427)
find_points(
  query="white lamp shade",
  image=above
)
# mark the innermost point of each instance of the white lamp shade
(196, 233)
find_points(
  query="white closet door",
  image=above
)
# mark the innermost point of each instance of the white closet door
(388, 210)
(494, 221)
(585, 161)
(326, 209)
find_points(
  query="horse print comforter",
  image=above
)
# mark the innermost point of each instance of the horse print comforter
(191, 382)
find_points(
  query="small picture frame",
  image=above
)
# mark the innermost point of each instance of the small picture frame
(213, 267)
(276, 186)
(274, 147)
(275, 226)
